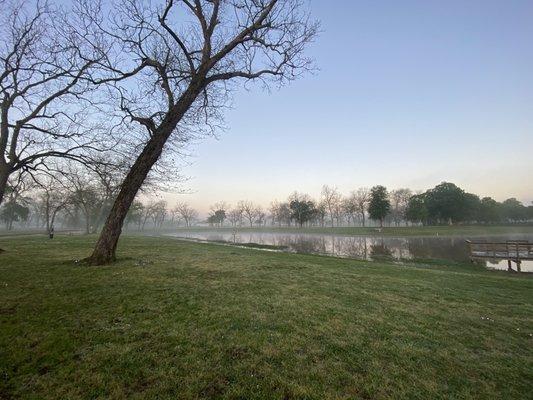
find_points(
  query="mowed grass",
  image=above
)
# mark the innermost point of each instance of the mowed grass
(179, 320)
(400, 231)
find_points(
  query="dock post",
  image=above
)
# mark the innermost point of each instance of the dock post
(518, 262)
(509, 266)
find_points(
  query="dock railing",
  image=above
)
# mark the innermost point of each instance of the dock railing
(511, 250)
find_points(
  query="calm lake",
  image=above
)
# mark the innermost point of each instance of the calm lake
(361, 247)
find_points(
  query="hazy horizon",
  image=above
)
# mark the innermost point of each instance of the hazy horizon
(408, 95)
(203, 203)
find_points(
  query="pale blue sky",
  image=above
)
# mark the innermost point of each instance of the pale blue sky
(409, 94)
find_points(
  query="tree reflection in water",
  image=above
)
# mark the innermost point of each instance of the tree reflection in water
(361, 247)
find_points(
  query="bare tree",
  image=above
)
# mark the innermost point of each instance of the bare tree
(281, 213)
(158, 213)
(106, 177)
(85, 195)
(16, 208)
(275, 212)
(135, 214)
(146, 214)
(235, 217)
(174, 217)
(350, 207)
(249, 210)
(260, 216)
(189, 54)
(399, 201)
(44, 89)
(285, 213)
(332, 200)
(361, 198)
(321, 213)
(91, 189)
(338, 210)
(52, 198)
(186, 212)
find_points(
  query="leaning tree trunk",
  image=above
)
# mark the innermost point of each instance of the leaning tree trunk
(4, 175)
(104, 251)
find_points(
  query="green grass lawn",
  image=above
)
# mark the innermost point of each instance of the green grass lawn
(455, 230)
(181, 320)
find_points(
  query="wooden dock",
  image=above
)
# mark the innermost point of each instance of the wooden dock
(511, 250)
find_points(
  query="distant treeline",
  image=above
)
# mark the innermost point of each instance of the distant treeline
(83, 203)
(444, 204)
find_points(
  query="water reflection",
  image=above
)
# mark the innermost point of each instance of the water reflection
(361, 247)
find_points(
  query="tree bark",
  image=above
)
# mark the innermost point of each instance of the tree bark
(4, 175)
(104, 251)
(52, 221)
(87, 224)
(47, 216)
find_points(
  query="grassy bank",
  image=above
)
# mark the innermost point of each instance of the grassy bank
(466, 230)
(197, 321)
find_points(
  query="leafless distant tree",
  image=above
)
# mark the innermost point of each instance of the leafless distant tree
(178, 63)
(107, 178)
(91, 189)
(399, 201)
(249, 210)
(53, 197)
(350, 207)
(136, 214)
(332, 199)
(280, 213)
(45, 93)
(274, 210)
(158, 213)
(235, 216)
(361, 198)
(322, 212)
(338, 210)
(260, 216)
(175, 217)
(17, 206)
(147, 211)
(186, 212)
(85, 195)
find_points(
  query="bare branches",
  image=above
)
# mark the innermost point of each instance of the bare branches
(45, 95)
(270, 42)
(186, 212)
(175, 36)
(174, 62)
(163, 67)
